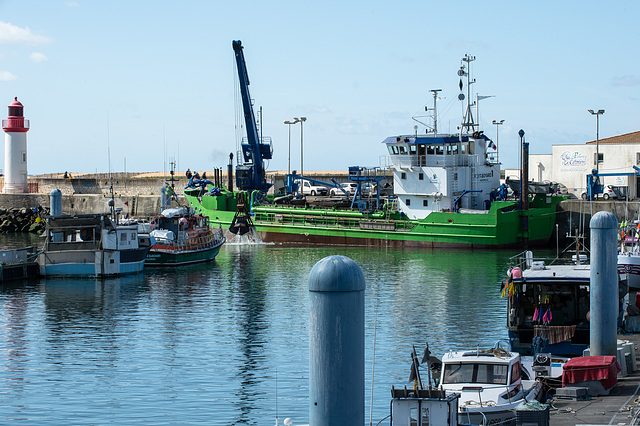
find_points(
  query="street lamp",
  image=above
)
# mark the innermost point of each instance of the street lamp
(597, 114)
(301, 120)
(289, 123)
(497, 123)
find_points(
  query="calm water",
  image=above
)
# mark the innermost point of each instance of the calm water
(210, 344)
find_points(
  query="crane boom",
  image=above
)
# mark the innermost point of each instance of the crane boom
(251, 174)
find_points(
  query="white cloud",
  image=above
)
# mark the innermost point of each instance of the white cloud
(71, 4)
(11, 34)
(38, 57)
(626, 80)
(7, 76)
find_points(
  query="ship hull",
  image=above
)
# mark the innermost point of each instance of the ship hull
(499, 227)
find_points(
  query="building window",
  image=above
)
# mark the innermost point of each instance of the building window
(421, 176)
(123, 237)
(24, 157)
(408, 202)
(425, 203)
(637, 157)
(403, 175)
(600, 157)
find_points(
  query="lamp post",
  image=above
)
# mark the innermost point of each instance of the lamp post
(597, 114)
(497, 123)
(289, 123)
(301, 120)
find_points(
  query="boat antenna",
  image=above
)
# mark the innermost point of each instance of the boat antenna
(112, 201)
(434, 127)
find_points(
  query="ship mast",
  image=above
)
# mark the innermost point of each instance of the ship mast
(468, 124)
(435, 110)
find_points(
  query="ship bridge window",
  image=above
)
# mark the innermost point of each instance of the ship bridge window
(452, 149)
(422, 149)
(403, 149)
(439, 150)
(393, 150)
(413, 149)
(431, 149)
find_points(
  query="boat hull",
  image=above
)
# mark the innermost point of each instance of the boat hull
(499, 227)
(160, 257)
(629, 264)
(90, 263)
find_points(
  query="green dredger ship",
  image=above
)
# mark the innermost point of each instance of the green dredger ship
(447, 193)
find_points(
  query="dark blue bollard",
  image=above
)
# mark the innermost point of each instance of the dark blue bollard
(336, 343)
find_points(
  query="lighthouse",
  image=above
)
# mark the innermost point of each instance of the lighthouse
(15, 150)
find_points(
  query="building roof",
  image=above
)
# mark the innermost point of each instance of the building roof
(627, 138)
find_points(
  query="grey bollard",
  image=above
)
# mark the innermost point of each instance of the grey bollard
(336, 342)
(604, 284)
(55, 209)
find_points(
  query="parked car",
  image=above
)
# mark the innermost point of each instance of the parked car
(348, 187)
(609, 191)
(310, 188)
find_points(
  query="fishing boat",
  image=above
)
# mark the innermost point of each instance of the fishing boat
(446, 193)
(548, 304)
(629, 255)
(182, 238)
(491, 383)
(92, 245)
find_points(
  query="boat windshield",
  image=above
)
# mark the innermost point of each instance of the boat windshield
(494, 374)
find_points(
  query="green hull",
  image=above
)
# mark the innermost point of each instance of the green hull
(500, 227)
(175, 258)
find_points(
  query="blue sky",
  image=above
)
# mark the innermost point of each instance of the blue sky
(150, 81)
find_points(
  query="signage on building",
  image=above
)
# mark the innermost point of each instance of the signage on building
(573, 161)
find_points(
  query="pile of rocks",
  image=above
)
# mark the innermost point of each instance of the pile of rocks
(23, 220)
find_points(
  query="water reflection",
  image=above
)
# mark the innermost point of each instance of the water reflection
(202, 344)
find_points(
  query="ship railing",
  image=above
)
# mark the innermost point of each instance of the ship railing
(432, 160)
(195, 243)
(526, 259)
(329, 221)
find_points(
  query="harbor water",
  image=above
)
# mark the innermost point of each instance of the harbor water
(226, 343)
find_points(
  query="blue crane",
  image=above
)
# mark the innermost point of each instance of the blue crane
(250, 175)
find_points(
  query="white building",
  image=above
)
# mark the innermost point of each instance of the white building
(570, 164)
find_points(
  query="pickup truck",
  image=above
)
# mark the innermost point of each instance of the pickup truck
(309, 188)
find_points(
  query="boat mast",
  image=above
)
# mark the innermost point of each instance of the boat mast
(468, 125)
(435, 110)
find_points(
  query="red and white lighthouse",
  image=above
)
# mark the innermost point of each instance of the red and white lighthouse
(15, 150)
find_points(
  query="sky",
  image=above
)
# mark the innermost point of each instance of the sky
(130, 86)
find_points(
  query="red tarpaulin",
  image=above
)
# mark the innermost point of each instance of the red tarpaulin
(581, 369)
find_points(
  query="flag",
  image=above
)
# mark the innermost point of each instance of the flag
(536, 315)
(126, 203)
(492, 145)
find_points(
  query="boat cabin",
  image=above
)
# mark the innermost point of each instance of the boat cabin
(442, 173)
(548, 309)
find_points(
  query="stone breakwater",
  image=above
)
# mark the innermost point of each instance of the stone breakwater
(23, 220)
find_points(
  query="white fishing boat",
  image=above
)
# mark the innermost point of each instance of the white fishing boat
(629, 258)
(491, 384)
(92, 245)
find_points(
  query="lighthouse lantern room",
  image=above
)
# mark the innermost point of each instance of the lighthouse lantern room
(15, 150)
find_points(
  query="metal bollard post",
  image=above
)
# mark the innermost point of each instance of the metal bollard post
(336, 342)
(604, 284)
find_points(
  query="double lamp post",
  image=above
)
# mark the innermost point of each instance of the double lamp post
(296, 120)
